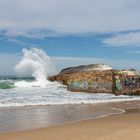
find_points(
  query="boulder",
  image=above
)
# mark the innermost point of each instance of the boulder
(99, 78)
(91, 81)
(126, 82)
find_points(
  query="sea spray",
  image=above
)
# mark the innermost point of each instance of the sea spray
(35, 63)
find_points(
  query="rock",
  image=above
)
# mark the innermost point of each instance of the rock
(99, 78)
(91, 81)
(126, 82)
(91, 67)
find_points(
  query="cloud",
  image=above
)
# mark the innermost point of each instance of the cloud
(29, 17)
(7, 68)
(128, 39)
(21, 43)
(134, 52)
(18, 42)
(63, 62)
(7, 63)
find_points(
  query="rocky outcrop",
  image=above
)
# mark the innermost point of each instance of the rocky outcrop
(92, 67)
(91, 81)
(99, 78)
(126, 82)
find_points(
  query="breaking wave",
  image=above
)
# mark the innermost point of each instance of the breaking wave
(35, 63)
(38, 90)
(6, 84)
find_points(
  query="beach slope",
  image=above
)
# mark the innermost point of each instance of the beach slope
(117, 127)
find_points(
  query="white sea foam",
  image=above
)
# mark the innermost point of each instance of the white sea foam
(36, 63)
(54, 94)
(64, 102)
(40, 91)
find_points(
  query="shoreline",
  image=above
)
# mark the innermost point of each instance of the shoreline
(90, 103)
(36, 117)
(122, 126)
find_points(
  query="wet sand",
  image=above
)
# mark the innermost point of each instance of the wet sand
(72, 122)
(34, 117)
(116, 127)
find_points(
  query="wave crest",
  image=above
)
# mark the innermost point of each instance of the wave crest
(36, 63)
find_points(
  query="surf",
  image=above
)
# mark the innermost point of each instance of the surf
(6, 84)
(36, 63)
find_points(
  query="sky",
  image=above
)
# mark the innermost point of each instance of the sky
(71, 32)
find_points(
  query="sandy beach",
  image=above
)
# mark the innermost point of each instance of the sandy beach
(115, 127)
(69, 69)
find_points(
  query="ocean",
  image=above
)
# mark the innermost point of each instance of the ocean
(35, 89)
(28, 103)
(21, 92)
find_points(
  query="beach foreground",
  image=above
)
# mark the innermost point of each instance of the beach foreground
(116, 127)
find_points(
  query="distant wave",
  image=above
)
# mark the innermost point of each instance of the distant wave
(6, 84)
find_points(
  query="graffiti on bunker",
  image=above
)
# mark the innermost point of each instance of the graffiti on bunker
(127, 82)
(85, 84)
(118, 83)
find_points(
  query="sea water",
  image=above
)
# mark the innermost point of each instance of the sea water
(34, 102)
(38, 90)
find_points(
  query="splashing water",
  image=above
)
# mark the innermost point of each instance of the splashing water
(35, 63)
(40, 91)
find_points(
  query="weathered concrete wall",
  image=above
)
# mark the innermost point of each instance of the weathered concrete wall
(126, 84)
(89, 79)
(92, 81)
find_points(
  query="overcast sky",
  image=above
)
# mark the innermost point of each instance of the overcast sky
(71, 31)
